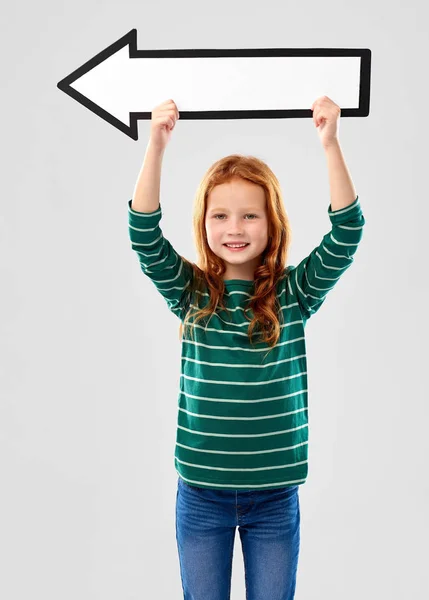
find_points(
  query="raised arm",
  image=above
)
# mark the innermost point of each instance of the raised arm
(158, 259)
(147, 188)
(320, 271)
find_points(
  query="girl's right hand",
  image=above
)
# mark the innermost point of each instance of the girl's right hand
(164, 117)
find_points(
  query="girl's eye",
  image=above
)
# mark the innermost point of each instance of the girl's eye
(248, 214)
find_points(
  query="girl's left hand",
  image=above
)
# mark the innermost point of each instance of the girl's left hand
(326, 117)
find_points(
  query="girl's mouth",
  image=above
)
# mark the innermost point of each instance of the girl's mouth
(236, 249)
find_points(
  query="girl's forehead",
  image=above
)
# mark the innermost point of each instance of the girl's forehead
(235, 186)
(248, 198)
(236, 204)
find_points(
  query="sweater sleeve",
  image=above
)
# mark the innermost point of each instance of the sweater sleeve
(158, 259)
(319, 272)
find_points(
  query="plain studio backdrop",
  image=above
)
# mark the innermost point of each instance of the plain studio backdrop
(90, 353)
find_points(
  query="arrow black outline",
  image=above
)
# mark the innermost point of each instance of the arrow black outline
(130, 39)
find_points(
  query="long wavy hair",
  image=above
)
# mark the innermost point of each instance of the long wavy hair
(209, 270)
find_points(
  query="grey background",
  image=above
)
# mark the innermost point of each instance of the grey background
(90, 353)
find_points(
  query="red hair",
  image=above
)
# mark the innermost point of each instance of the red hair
(264, 302)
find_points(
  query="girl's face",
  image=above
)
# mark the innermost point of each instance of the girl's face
(236, 212)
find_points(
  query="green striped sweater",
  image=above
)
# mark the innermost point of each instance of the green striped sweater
(242, 413)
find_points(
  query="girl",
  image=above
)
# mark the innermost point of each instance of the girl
(242, 428)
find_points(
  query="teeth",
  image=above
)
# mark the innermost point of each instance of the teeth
(235, 245)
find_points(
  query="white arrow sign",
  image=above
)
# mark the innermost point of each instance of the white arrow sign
(122, 84)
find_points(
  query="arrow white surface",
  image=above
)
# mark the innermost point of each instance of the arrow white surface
(123, 84)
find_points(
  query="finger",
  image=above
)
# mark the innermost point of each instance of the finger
(315, 110)
(315, 117)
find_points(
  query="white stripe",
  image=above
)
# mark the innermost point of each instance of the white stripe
(140, 229)
(332, 268)
(149, 243)
(237, 332)
(316, 288)
(235, 308)
(244, 435)
(230, 292)
(244, 383)
(239, 347)
(138, 214)
(217, 417)
(342, 243)
(282, 449)
(315, 297)
(152, 256)
(325, 278)
(243, 324)
(221, 485)
(302, 462)
(336, 255)
(297, 284)
(342, 211)
(265, 399)
(168, 280)
(230, 366)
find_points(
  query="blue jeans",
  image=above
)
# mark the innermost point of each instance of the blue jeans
(269, 525)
